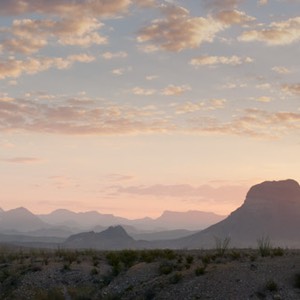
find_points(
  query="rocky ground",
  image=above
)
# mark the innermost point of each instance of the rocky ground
(150, 274)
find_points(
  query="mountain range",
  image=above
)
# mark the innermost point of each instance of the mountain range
(271, 209)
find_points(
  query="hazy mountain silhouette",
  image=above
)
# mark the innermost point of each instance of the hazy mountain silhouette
(82, 219)
(271, 208)
(169, 220)
(114, 238)
(20, 220)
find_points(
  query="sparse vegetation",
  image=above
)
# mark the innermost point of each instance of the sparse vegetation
(222, 245)
(264, 246)
(297, 281)
(131, 274)
(200, 271)
(271, 286)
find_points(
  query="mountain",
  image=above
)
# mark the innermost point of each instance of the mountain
(191, 220)
(161, 235)
(113, 238)
(20, 220)
(169, 220)
(271, 209)
(83, 220)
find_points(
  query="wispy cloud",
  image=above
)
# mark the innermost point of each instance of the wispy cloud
(292, 88)
(111, 55)
(15, 68)
(277, 33)
(175, 90)
(22, 160)
(206, 60)
(178, 30)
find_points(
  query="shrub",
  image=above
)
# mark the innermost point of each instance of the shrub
(271, 286)
(94, 271)
(278, 251)
(222, 245)
(165, 268)
(176, 278)
(189, 259)
(264, 246)
(297, 281)
(200, 271)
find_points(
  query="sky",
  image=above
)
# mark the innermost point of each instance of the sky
(136, 107)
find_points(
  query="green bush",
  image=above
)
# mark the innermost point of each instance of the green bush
(297, 281)
(264, 246)
(165, 268)
(271, 286)
(278, 251)
(222, 245)
(200, 271)
(176, 278)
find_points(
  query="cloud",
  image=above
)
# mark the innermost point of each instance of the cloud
(222, 4)
(231, 17)
(185, 191)
(175, 90)
(191, 107)
(206, 60)
(61, 117)
(118, 177)
(178, 30)
(292, 88)
(264, 99)
(15, 68)
(98, 8)
(29, 36)
(262, 2)
(118, 72)
(111, 55)
(143, 92)
(277, 33)
(281, 70)
(151, 77)
(253, 122)
(22, 160)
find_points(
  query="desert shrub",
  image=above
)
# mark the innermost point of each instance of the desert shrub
(297, 281)
(278, 251)
(235, 255)
(166, 267)
(66, 267)
(94, 271)
(264, 246)
(189, 259)
(271, 286)
(149, 294)
(169, 254)
(206, 259)
(175, 278)
(128, 257)
(199, 271)
(81, 292)
(53, 294)
(221, 245)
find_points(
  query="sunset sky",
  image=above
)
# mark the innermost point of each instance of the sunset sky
(136, 107)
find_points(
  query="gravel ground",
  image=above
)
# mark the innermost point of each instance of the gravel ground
(239, 274)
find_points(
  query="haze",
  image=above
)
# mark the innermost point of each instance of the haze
(136, 107)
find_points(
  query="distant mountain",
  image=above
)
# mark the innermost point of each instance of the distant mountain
(83, 220)
(113, 238)
(161, 235)
(20, 220)
(192, 220)
(271, 209)
(169, 220)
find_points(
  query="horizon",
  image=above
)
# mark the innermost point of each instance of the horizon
(133, 108)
